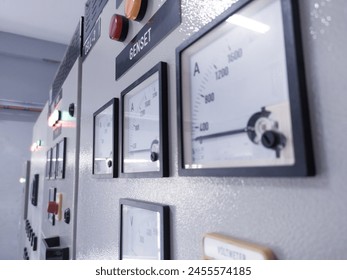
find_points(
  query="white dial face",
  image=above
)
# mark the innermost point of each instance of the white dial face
(49, 163)
(142, 127)
(236, 109)
(140, 233)
(60, 159)
(103, 153)
(54, 161)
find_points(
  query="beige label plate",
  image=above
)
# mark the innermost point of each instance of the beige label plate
(220, 247)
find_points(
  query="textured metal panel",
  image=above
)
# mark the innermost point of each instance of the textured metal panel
(72, 53)
(297, 218)
(67, 185)
(37, 166)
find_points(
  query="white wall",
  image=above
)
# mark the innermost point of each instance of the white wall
(15, 141)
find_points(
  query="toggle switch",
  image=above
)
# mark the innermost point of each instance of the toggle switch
(135, 9)
(31, 239)
(119, 26)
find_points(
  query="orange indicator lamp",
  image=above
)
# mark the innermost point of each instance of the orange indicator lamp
(135, 9)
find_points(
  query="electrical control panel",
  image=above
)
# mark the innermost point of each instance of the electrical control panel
(198, 105)
(54, 185)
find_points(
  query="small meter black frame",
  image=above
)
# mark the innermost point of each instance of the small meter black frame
(61, 159)
(52, 193)
(114, 103)
(163, 156)
(49, 163)
(53, 172)
(164, 225)
(301, 137)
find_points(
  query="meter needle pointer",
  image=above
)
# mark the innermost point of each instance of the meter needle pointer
(221, 134)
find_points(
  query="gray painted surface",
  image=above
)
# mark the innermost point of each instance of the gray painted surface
(15, 140)
(297, 218)
(38, 215)
(47, 20)
(65, 186)
(27, 67)
(38, 164)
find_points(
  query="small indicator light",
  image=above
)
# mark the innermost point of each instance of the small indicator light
(119, 26)
(135, 9)
(54, 118)
(36, 146)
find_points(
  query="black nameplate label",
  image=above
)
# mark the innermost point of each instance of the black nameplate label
(93, 37)
(92, 11)
(162, 23)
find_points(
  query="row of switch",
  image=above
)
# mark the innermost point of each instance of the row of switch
(119, 25)
(31, 235)
(26, 254)
(32, 238)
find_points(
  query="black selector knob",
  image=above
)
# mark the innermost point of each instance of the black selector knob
(109, 163)
(154, 156)
(270, 139)
(273, 140)
(72, 109)
(67, 215)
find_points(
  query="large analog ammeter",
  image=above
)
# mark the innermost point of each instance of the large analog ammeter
(241, 96)
(144, 130)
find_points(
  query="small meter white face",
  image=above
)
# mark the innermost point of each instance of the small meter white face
(103, 141)
(54, 161)
(235, 100)
(61, 160)
(141, 233)
(142, 127)
(48, 163)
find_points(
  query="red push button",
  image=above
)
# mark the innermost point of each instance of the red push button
(119, 26)
(135, 9)
(53, 207)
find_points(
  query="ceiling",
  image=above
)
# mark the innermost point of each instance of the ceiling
(34, 35)
(51, 20)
